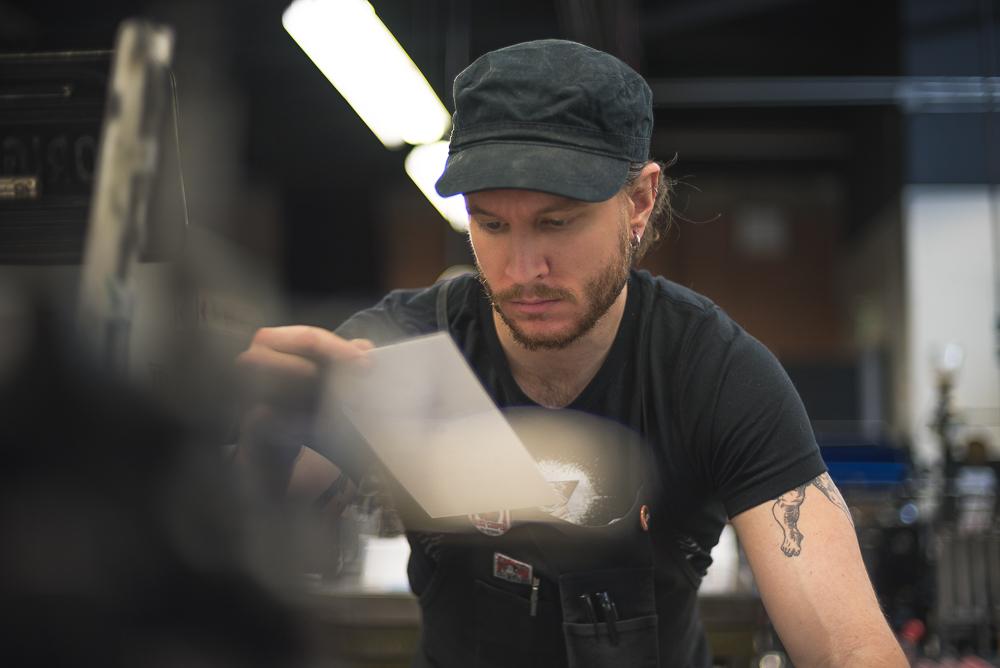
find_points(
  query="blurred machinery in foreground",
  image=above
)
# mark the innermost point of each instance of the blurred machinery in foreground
(127, 539)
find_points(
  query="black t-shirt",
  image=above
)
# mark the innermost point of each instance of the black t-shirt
(726, 427)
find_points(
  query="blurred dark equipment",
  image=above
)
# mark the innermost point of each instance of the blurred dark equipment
(126, 539)
(123, 533)
(51, 106)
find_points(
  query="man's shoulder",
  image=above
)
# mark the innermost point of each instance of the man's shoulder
(685, 327)
(664, 299)
(404, 313)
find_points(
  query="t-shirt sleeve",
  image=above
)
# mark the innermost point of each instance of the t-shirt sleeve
(752, 436)
(374, 324)
(400, 314)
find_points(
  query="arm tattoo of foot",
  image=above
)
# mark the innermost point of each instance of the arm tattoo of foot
(338, 486)
(786, 511)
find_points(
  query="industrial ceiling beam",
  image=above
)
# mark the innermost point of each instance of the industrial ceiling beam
(695, 14)
(912, 94)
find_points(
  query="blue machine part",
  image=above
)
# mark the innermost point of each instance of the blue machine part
(867, 464)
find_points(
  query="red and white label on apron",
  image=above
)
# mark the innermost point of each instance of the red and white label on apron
(511, 570)
(492, 524)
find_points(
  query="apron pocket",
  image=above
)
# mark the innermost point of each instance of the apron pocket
(590, 646)
(507, 636)
(631, 589)
(627, 595)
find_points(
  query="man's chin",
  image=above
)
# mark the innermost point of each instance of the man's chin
(516, 318)
(532, 334)
(536, 343)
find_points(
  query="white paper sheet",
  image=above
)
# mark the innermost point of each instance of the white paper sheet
(427, 417)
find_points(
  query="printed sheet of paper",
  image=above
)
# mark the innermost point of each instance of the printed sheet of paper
(427, 417)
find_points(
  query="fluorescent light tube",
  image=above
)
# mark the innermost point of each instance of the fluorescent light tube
(425, 165)
(362, 59)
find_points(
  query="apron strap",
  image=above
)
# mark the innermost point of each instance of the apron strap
(442, 307)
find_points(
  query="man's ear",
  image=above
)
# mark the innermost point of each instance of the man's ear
(643, 198)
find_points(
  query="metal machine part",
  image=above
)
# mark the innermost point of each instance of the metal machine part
(126, 167)
(51, 105)
(968, 579)
(19, 187)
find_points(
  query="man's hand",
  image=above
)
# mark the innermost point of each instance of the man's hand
(284, 372)
(807, 565)
(300, 349)
(286, 365)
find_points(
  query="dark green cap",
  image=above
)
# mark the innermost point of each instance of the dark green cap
(550, 115)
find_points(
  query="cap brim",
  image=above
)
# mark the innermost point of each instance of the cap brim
(567, 172)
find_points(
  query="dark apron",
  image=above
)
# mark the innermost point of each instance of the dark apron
(614, 594)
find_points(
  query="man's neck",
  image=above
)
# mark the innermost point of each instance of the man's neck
(554, 378)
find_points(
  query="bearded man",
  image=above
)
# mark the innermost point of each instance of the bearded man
(550, 148)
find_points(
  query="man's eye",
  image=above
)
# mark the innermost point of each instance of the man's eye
(557, 223)
(492, 225)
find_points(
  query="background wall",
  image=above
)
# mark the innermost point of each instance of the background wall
(764, 248)
(950, 297)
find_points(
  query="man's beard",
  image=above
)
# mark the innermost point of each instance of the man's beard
(600, 293)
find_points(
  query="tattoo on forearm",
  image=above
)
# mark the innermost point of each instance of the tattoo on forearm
(338, 486)
(786, 511)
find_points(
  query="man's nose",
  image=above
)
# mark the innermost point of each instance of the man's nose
(526, 262)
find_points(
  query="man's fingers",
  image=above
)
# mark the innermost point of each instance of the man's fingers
(314, 343)
(361, 366)
(286, 366)
(364, 344)
(278, 362)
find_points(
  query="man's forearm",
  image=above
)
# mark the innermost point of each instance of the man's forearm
(804, 554)
(875, 653)
(318, 484)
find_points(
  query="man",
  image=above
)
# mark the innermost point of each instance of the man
(550, 147)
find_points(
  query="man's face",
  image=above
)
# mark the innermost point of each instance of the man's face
(552, 266)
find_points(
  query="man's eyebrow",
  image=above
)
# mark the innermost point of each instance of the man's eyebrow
(476, 210)
(564, 205)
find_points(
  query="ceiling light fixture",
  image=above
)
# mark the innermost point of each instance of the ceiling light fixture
(361, 58)
(425, 165)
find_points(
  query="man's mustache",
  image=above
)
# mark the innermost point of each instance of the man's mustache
(540, 291)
